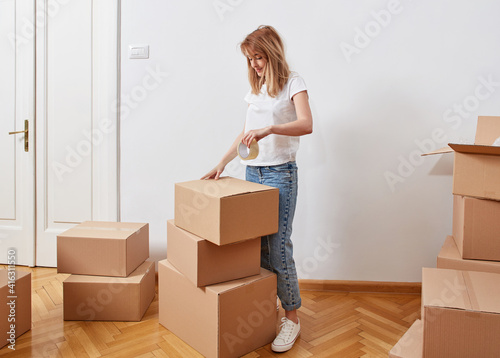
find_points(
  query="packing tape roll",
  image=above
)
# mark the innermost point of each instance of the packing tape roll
(246, 153)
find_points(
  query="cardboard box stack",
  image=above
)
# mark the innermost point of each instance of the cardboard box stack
(475, 241)
(110, 278)
(461, 297)
(212, 292)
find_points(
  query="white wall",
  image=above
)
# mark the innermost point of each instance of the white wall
(411, 85)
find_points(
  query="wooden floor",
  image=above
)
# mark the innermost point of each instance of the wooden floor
(333, 325)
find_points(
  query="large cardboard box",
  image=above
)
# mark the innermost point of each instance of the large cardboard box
(476, 170)
(229, 319)
(205, 263)
(15, 305)
(411, 344)
(476, 227)
(102, 298)
(449, 258)
(226, 210)
(460, 313)
(103, 248)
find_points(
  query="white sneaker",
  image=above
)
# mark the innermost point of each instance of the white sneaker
(289, 331)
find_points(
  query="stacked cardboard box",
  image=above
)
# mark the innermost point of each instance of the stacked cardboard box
(460, 298)
(460, 313)
(460, 316)
(110, 278)
(15, 305)
(212, 292)
(475, 241)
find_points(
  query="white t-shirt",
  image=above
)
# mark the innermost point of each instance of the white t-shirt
(264, 111)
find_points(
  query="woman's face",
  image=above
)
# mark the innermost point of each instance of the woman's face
(258, 63)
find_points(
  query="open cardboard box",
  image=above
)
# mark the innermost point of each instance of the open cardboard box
(226, 210)
(476, 170)
(205, 263)
(449, 258)
(460, 313)
(229, 319)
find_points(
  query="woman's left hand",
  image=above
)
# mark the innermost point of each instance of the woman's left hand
(256, 134)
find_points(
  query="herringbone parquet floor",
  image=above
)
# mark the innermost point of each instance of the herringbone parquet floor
(333, 325)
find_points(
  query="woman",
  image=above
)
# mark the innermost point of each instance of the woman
(278, 114)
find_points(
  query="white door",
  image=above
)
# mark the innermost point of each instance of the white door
(17, 108)
(76, 134)
(75, 177)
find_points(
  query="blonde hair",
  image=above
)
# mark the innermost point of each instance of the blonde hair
(267, 42)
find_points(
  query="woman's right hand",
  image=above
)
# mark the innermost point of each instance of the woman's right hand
(215, 173)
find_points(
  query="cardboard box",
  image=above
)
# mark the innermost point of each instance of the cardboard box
(460, 313)
(411, 344)
(205, 263)
(476, 170)
(449, 258)
(15, 305)
(476, 227)
(103, 248)
(226, 210)
(229, 319)
(476, 174)
(102, 298)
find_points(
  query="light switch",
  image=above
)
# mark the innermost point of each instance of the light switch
(138, 51)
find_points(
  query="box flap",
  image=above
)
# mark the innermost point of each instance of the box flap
(449, 250)
(484, 290)
(444, 288)
(224, 187)
(466, 290)
(488, 130)
(411, 344)
(475, 149)
(446, 149)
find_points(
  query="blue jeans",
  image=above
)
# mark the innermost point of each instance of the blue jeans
(277, 249)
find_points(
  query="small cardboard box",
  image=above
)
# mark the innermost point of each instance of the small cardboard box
(103, 248)
(15, 305)
(411, 344)
(449, 258)
(476, 169)
(102, 298)
(476, 227)
(205, 263)
(460, 313)
(226, 210)
(229, 319)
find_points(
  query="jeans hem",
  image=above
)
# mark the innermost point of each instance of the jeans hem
(292, 307)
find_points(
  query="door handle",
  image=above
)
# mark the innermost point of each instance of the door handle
(26, 135)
